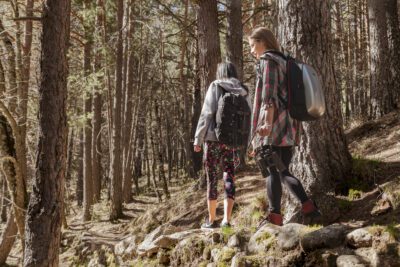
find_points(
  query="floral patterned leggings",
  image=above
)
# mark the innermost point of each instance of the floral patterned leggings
(214, 152)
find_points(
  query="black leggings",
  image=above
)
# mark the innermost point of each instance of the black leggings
(274, 187)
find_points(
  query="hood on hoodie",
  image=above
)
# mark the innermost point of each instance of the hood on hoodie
(232, 85)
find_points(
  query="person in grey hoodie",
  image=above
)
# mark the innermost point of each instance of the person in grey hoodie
(214, 151)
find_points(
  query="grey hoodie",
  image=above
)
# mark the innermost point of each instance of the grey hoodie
(206, 125)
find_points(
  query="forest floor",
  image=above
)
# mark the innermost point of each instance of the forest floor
(375, 147)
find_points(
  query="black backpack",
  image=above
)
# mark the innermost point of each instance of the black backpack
(233, 119)
(306, 100)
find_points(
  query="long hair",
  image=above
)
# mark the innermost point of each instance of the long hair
(226, 70)
(264, 35)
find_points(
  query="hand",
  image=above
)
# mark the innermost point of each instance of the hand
(264, 130)
(197, 148)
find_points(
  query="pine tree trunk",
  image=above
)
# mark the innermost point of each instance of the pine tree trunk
(381, 93)
(43, 225)
(79, 181)
(234, 35)
(209, 47)
(394, 45)
(128, 114)
(116, 158)
(322, 160)
(97, 104)
(87, 133)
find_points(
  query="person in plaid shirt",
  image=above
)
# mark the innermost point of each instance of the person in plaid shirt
(272, 129)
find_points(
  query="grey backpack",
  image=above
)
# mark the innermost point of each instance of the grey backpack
(306, 101)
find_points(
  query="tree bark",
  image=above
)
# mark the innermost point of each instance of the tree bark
(234, 35)
(209, 47)
(394, 44)
(381, 92)
(87, 133)
(43, 225)
(322, 160)
(128, 110)
(79, 179)
(97, 104)
(116, 159)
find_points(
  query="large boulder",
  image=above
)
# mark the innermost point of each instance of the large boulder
(327, 237)
(359, 238)
(289, 235)
(148, 247)
(349, 260)
(263, 239)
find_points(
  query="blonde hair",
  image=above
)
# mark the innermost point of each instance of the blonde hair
(264, 35)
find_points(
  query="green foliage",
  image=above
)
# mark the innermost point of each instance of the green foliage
(227, 232)
(354, 194)
(226, 255)
(262, 237)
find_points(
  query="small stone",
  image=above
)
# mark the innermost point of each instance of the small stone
(216, 238)
(212, 264)
(234, 242)
(215, 254)
(349, 260)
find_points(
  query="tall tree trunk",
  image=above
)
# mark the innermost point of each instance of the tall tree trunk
(394, 44)
(87, 135)
(234, 35)
(381, 98)
(43, 225)
(79, 179)
(25, 73)
(209, 47)
(322, 160)
(128, 114)
(116, 159)
(234, 47)
(97, 104)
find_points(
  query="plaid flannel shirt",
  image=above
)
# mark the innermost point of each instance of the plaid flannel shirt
(271, 89)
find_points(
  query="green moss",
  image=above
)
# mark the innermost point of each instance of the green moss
(256, 215)
(227, 254)
(227, 232)
(262, 237)
(354, 194)
(203, 264)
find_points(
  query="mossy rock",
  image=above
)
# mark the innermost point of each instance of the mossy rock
(227, 254)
